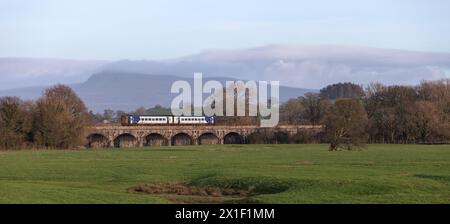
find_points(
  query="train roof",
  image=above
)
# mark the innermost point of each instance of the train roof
(161, 115)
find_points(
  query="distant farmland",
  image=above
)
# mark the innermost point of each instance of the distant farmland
(228, 173)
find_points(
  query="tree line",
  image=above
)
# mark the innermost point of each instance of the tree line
(56, 120)
(398, 114)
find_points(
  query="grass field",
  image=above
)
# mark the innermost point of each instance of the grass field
(279, 173)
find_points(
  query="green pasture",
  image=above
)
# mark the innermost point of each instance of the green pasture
(278, 173)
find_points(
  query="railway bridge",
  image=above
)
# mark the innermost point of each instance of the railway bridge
(109, 136)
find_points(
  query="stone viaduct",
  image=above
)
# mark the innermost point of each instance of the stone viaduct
(138, 136)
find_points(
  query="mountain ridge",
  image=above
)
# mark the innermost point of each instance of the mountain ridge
(129, 91)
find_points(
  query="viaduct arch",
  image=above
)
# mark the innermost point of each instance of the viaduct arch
(114, 136)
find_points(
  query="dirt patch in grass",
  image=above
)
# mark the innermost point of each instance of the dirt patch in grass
(212, 189)
(185, 193)
(185, 189)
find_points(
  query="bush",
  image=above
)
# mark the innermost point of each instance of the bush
(15, 123)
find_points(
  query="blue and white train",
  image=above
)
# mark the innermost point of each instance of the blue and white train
(128, 120)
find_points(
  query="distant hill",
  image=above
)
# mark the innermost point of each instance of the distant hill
(301, 66)
(128, 91)
(25, 72)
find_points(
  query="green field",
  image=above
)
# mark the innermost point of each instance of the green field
(280, 173)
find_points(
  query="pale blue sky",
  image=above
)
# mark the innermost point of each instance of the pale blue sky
(133, 29)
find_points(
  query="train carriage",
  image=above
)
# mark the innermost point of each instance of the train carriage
(128, 120)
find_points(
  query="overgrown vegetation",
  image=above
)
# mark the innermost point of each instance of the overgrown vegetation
(56, 120)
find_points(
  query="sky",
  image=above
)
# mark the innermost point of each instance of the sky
(138, 29)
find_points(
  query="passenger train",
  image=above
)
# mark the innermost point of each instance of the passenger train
(128, 120)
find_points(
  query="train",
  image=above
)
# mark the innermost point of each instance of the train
(129, 120)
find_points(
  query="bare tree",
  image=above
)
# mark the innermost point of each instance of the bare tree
(15, 122)
(315, 107)
(60, 118)
(345, 124)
